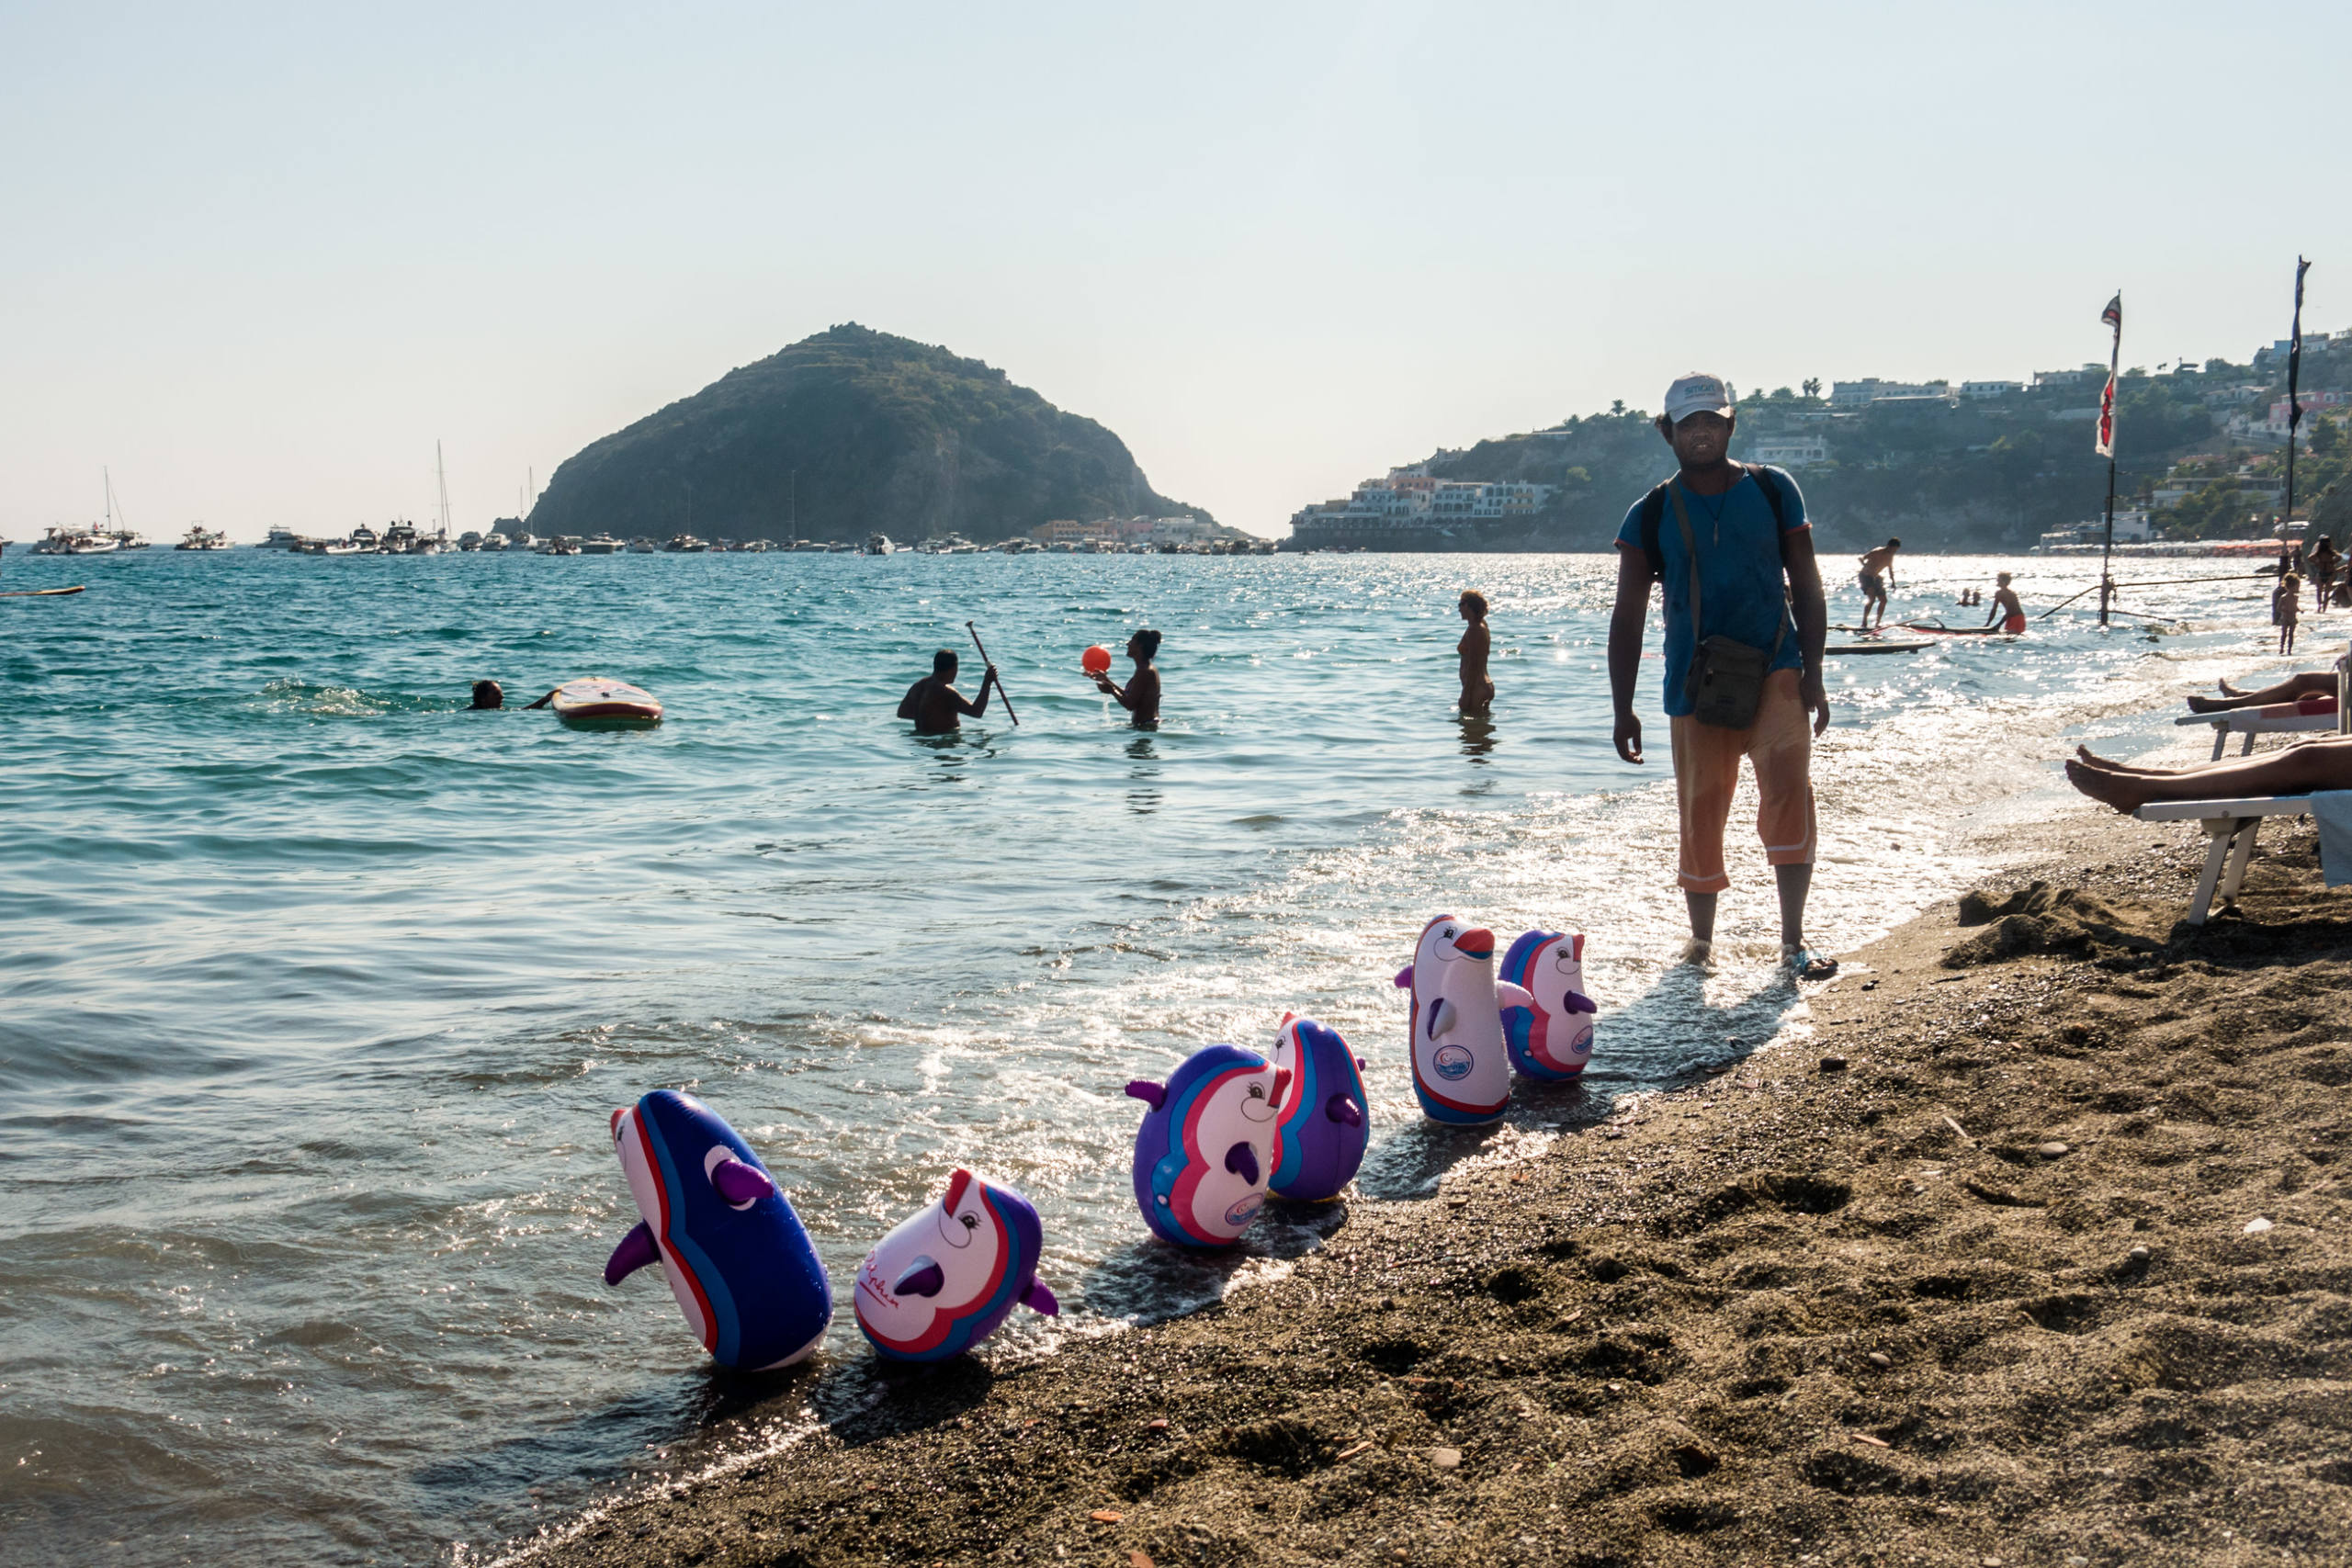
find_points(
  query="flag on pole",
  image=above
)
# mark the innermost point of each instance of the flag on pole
(2295, 354)
(2113, 316)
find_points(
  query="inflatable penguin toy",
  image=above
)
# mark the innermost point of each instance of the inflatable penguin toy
(744, 1272)
(1205, 1150)
(1551, 1039)
(1323, 1119)
(945, 1279)
(1460, 1073)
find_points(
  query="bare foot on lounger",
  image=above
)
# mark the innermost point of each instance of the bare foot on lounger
(2121, 791)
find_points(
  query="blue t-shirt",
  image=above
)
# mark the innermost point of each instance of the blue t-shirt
(1740, 578)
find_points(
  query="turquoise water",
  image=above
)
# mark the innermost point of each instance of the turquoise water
(316, 993)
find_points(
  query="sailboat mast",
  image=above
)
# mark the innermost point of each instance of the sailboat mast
(441, 481)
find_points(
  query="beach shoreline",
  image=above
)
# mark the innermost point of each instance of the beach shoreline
(1963, 1277)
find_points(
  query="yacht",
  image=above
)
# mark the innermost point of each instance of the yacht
(494, 542)
(879, 544)
(523, 539)
(279, 539)
(685, 544)
(199, 538)
(601, 545)
(470, 540)
(754, 547)
(363, 537)
(400, 540)
(640, 545)
(62, 541)
(562, 544)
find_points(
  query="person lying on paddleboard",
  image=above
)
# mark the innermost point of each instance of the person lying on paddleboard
(2007, 607)
(1141, 695)
(934, 703)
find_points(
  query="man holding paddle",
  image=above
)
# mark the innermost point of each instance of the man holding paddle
(934, 703)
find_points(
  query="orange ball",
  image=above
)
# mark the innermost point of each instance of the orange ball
(1095, 660)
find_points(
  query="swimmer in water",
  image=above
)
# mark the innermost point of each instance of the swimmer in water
(934, 703)
(1140, 697)
(488, 694)
(2007, 609)
(1478, 686)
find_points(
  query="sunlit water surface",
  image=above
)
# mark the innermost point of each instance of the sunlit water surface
(315, 993)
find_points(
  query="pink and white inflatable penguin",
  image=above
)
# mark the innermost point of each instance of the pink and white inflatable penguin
(944, 1280)
(1461, 1071)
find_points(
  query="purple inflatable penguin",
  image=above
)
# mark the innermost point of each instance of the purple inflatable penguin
(1324, 1117)
(1206, 1148)
(1551, 1038)
(737, 1261)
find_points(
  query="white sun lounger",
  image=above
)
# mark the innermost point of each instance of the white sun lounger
(2277, 718)
(2232, 824)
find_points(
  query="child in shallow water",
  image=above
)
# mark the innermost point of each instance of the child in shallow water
(2286, 607)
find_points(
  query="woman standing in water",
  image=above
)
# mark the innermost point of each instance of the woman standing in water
(1477, 687)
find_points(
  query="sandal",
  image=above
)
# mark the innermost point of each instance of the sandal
(1808, 964)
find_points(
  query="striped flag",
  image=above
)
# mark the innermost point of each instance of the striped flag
(2113, 316)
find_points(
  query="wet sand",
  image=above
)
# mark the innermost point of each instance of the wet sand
(1974, 1276)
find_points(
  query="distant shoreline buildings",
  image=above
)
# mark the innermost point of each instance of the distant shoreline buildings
(1406, 506)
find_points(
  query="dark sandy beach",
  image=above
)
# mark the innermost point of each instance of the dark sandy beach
(2041, 1252)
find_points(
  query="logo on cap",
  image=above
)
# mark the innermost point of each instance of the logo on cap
(1697, 393)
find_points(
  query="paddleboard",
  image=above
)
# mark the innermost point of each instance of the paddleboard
(599, 701)
(41, 592)
(1940, 630)
(1876, 648)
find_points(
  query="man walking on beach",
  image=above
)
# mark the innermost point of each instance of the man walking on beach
(1730, 545)
(1878, 570)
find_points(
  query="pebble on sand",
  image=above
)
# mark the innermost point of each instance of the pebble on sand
(2257, 1226)
(1445, 1458)
(1833, 1063)
(2051, 1150)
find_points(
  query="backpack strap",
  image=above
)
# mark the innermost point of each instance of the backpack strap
(1653, 519)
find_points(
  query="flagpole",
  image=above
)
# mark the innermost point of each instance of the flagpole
(2107, 417)
(2294, 404)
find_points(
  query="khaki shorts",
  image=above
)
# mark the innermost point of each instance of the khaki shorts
(1706, 771)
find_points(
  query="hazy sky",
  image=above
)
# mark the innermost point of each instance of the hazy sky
(258, 259)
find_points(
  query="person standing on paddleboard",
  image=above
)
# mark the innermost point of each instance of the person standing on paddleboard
(2007, 608)
(1731, 546)
(1140, 696)
(934, 703)
(1878, 570)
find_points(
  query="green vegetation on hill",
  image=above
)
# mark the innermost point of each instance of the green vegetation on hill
(885, 435)
(1990, 473)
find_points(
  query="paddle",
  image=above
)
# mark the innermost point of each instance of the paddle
(999, 680)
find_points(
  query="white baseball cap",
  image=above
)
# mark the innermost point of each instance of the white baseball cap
(1697, 393)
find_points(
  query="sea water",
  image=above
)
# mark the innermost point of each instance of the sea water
(316, 992)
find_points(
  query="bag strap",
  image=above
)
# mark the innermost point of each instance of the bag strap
(1691, 553)
(1652, 515)
(1690, 549)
